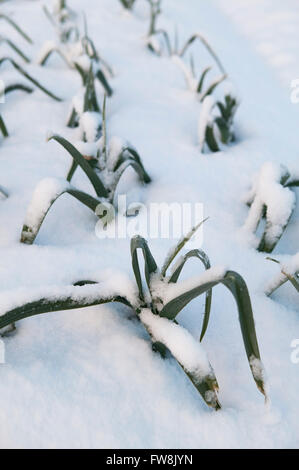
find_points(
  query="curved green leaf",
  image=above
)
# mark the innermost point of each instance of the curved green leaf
(165, 35)
(175, 251)
(207, 46)
(31, 79)
(202, 79)
(17, 87)
(30, 231)
(103, 80)
(150, 266)
(118, 174)
(72, 170)
(3, 192)
(236, 284)
(80, 160)
(212, 87)
(129, 153)
(16, 27)
(211, 139)
(201, 255)
(292, 183)
(90, 97)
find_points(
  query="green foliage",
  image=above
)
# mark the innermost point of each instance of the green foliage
(150, 307)
(8, 89)
(219, 127)
(16, 27)
(284, 277)
(155, 11)
(128, 4)
(3, 127)
(274, 228)
(15, 48)
(23, 72)
(93, 169)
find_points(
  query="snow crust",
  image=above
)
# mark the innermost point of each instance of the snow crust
(86, 367)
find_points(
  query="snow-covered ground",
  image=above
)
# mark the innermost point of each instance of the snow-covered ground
(89, 378)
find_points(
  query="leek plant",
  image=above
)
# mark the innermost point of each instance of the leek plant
(288, 273)
(158, 308)
(272, 199)
(103, 163)
(128, 4)
(216, 122)
(25, 74)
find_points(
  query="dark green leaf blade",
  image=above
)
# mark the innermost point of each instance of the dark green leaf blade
(201, 255)
(236, 284)
(31, 79)
(30, 231)
(58, 303)
(150, 265)
(16, 27)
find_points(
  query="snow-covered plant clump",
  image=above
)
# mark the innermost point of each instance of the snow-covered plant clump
(12, 45)
(16, 27)
(272, 199)
(103, 163)
(216, 122)
(289, 271)
(86, 110)
(157, 307)
(78, 51)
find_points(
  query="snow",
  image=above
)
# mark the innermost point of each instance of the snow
(92, 372)
(89, 125)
